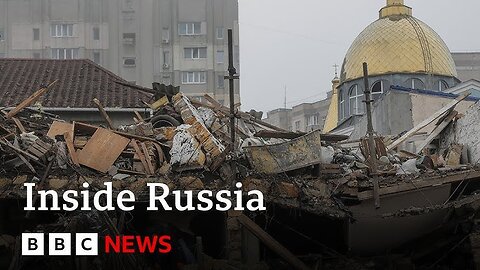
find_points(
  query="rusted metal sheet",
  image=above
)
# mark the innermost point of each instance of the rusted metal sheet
(295, 154)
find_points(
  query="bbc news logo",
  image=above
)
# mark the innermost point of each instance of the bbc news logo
(87, 244)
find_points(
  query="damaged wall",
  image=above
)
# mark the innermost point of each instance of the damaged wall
(397, 112)
(391, 114)
(465, 131)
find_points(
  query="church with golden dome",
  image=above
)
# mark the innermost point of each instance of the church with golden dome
(400, 50)
(411, 75)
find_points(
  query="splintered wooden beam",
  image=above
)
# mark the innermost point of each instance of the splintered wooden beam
(139, 117)
(103, 113)
(140, 155)
(437, 131)
(27, 102)
(147, 158)
(71, 148)
(271, 243)
(19, 125)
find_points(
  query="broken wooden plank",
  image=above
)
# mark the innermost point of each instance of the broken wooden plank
(139, 117)
(19, 125)
(427, 121)
(102, 150)
(140, 156)
(159, 103)
(271, 243)
(19, 151)
(454, 155)
(437, 131)
(59, 128)
(103, 113)
(151, 169)
(30, 167)
(30, 100)
(421, 183)
(71, 148)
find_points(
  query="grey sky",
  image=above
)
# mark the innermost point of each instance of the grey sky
(297, 42)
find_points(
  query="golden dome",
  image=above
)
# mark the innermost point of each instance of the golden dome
(398, 43)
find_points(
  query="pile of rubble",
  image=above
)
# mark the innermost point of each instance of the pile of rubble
(187, 144)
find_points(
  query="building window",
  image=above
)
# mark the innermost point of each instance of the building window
(96, 57)
(312, 120)
(194, 77)
(64, 53)
(442, 85)
(2, 34)
(355, 99)
(220, 57)
(96, 33)
(220, 82)
(36, 34)
(129, 38)
(195, 53)
(36, 55)
(166, 59)
(129, 61)
(377, 88)
(220, 31)
(342, 106)
(166, 35)
(297, 125)
(189, 29)
(416, 84)
(61, 30)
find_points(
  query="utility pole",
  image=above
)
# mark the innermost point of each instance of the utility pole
(231, 78)
(371, 139)
(285, 100)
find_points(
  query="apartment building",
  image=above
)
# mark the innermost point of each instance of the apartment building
(179, 42)
(468, 65)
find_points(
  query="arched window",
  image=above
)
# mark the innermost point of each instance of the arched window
(355, 97)
(377, 88)
(442, 85)
(342, 105)
(415, 83)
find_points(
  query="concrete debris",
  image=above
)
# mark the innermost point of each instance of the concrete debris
(186, 150)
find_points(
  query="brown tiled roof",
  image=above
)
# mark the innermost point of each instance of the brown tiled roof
(79, 82)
